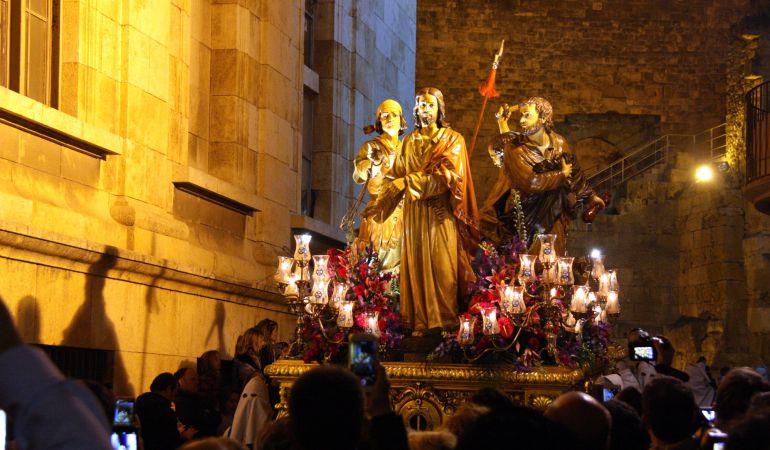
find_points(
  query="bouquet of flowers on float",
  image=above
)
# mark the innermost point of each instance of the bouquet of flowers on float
(523, 313)
(364, 299)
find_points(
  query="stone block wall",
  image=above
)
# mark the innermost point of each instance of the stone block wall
(147, 216)
(642, 58)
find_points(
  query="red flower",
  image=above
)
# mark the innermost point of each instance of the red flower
(506, 327)
(342, 272)
(361, 320)
(359, 290)
(363, 269)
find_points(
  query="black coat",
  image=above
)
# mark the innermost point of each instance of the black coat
(158, 421)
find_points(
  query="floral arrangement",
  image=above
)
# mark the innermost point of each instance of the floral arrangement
(523, 339)
(373, 292)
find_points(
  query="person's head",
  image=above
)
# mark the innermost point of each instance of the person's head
(464, 417)
(525, 427)
(432, 440)
(760, 404)
(664, 349)
(735, 392)
(165, 385)
(669, 410)
(631, 396)
(389, 119)
(323, 399)
(628, 431)
(250, 342)
(268, 330)
(584, 416)
(187, 378)
(209, 362)
(213, 443)
(492, 398)
(536, 114)
(750, 433)
(429, 108)
(228, 401)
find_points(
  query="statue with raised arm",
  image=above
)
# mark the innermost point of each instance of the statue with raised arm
(440, 218)
(539, 184)
(374, 161)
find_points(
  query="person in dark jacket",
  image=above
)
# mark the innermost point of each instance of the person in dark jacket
(191, 407)
(160, 428)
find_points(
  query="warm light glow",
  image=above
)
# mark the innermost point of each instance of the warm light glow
(302, 249)
(526, 269)
(512, 299)
(565, 271)
(596, 253)
(465, 333)
(604, 284)
(345, 317)
(547, 252)
(490, 321)
(613, 305)
(704, 173)
(284, 269)
(291, 286)
(338, 294)
(579, 299)
(373, 323)
(320, 294)
(320, 262)
(597, 269)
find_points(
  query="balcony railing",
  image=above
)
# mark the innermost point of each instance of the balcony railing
(758, 132)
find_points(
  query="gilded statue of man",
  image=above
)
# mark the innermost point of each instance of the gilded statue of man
(374, 161)
(538, 164)
(440, 217)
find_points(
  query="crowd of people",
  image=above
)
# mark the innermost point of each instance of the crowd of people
(203, 408)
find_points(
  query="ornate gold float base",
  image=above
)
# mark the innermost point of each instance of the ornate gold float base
(425, 394)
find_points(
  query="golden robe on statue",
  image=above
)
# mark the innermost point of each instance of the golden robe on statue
(383, 235)
(440, 221)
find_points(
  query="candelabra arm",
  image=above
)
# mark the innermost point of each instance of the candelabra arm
(323, 333)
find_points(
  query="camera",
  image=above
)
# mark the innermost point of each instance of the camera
(641, 346)
(123, 431)
(362, 358)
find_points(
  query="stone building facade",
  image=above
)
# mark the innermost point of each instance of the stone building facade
(145, 197)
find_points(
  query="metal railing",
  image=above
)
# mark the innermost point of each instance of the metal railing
(757, 132)
(711, 144)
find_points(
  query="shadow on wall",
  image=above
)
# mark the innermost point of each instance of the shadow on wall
(28, 319)
(219, 325)
(91, 323)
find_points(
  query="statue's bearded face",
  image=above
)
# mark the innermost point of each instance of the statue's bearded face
(530, 120)
(427, 110)
(390, 122)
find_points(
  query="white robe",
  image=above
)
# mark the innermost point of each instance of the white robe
(252, 413)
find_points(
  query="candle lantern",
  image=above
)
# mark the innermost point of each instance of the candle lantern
(320, 263)
(490, 326)
(551, 274)
(345, 316)
(613, 304)
(598, 265)
(526, 269)
(338, 294)
(373, 323)
(566, 278)
(579, 300)
(604, 284)
(613, 283)
(320, 293)
(284, 269)
(592, 298)
(291, 286)
(302, 248)
(547, 253)
(465, 333)
(512, 299)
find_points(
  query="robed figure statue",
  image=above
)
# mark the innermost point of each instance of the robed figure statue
(440, 218)
(373, 163)
(540, 173)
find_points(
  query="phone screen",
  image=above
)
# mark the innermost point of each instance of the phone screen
(362, 356)
(124, 440)
(608, 394)
(709, 414)
(644, 353)
(718, 446)
(2, 429)
(124, 413)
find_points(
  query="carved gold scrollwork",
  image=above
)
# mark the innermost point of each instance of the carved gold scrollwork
(540, 402)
